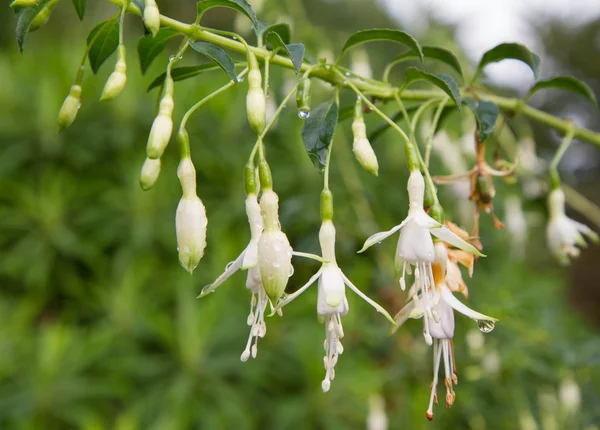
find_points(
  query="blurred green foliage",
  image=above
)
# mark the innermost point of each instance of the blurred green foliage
(100, 327)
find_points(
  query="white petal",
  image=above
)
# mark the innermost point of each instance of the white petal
(591, 234)
(290, 297)
(363, 296)
(449, 298)
(424, 220)
(447, 236)
(333, 284)
(444, 329)
(230, 269)
(415, 244)
(378, 237)
(250, 255)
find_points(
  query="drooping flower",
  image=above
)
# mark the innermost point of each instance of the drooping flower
(415, 245)
(563, 233)
(331, 302)
(248, 260)
(439, 324)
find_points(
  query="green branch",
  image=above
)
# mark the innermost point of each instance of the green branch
(379, 90)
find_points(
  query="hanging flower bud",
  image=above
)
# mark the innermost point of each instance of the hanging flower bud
(151, 17)
(362, 148)
(303, 98)
(116, 80)
(23, 3)
(160, 133)
(274, 250)
(149, 174)
(190, 218)
(255, 100)
(43, 16)
(69, 108)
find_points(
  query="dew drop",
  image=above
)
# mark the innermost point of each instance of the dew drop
(228, 265)
(348, 74)
(268, 94)
(345, 82)
(486, 326)
(79, 105)
(240, 80)
(303, 114)
(234, 38)
(171, 57)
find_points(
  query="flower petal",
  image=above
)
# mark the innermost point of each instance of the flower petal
(363, 296)
(424, 220)
(230, 269)
(447, 236)
(288, 298)
(582, 228)
(410, 310)
(378, 237)
(449, 298)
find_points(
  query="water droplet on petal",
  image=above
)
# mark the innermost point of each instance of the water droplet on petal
(303, 114)
(485, 326)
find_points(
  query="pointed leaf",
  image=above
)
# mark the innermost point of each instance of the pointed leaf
(181, 73)
(486, 113)
(150, 47)
(25, 18)
(444, 82)
(241, 6)
(567, 83)
(218, 55)
(295, 51)
(382, 34)
(509, 51)
(283, 30)
(435, 53)
(80, 7)
(102, 42)
(318, 131)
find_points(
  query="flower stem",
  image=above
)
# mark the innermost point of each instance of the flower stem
(553, 168)
(380, 90)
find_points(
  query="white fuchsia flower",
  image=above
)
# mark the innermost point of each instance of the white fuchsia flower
(439, 324)
(415, 245)
(331, 302)
(563, 233)
(248, 260)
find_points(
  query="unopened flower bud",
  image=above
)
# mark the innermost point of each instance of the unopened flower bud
(160, 133)
(69, 108)
(255, 100)
(362, 148)
(43, 16)
(190, 226)
(116, 80)
(149, 174)
(151, 17)
(274, 250)
(23, 3)
(303, 98)
(190, 219)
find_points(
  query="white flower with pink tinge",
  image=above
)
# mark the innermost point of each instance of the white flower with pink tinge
(415, 245)
(439, 325)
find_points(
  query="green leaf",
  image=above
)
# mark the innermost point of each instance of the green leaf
(25, 19)
(567, 83)
(182, 73)
(509, 51)
(241, 6)
(150, 47)
(80, 6)
(382, 34)
(218, 55)
(293, 50)
(444, 82)
(435, 53)
(486, 113)
(102, 42)
(283, 30)
(318, 131)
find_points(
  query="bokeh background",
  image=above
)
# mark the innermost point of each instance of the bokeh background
(100, 327)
